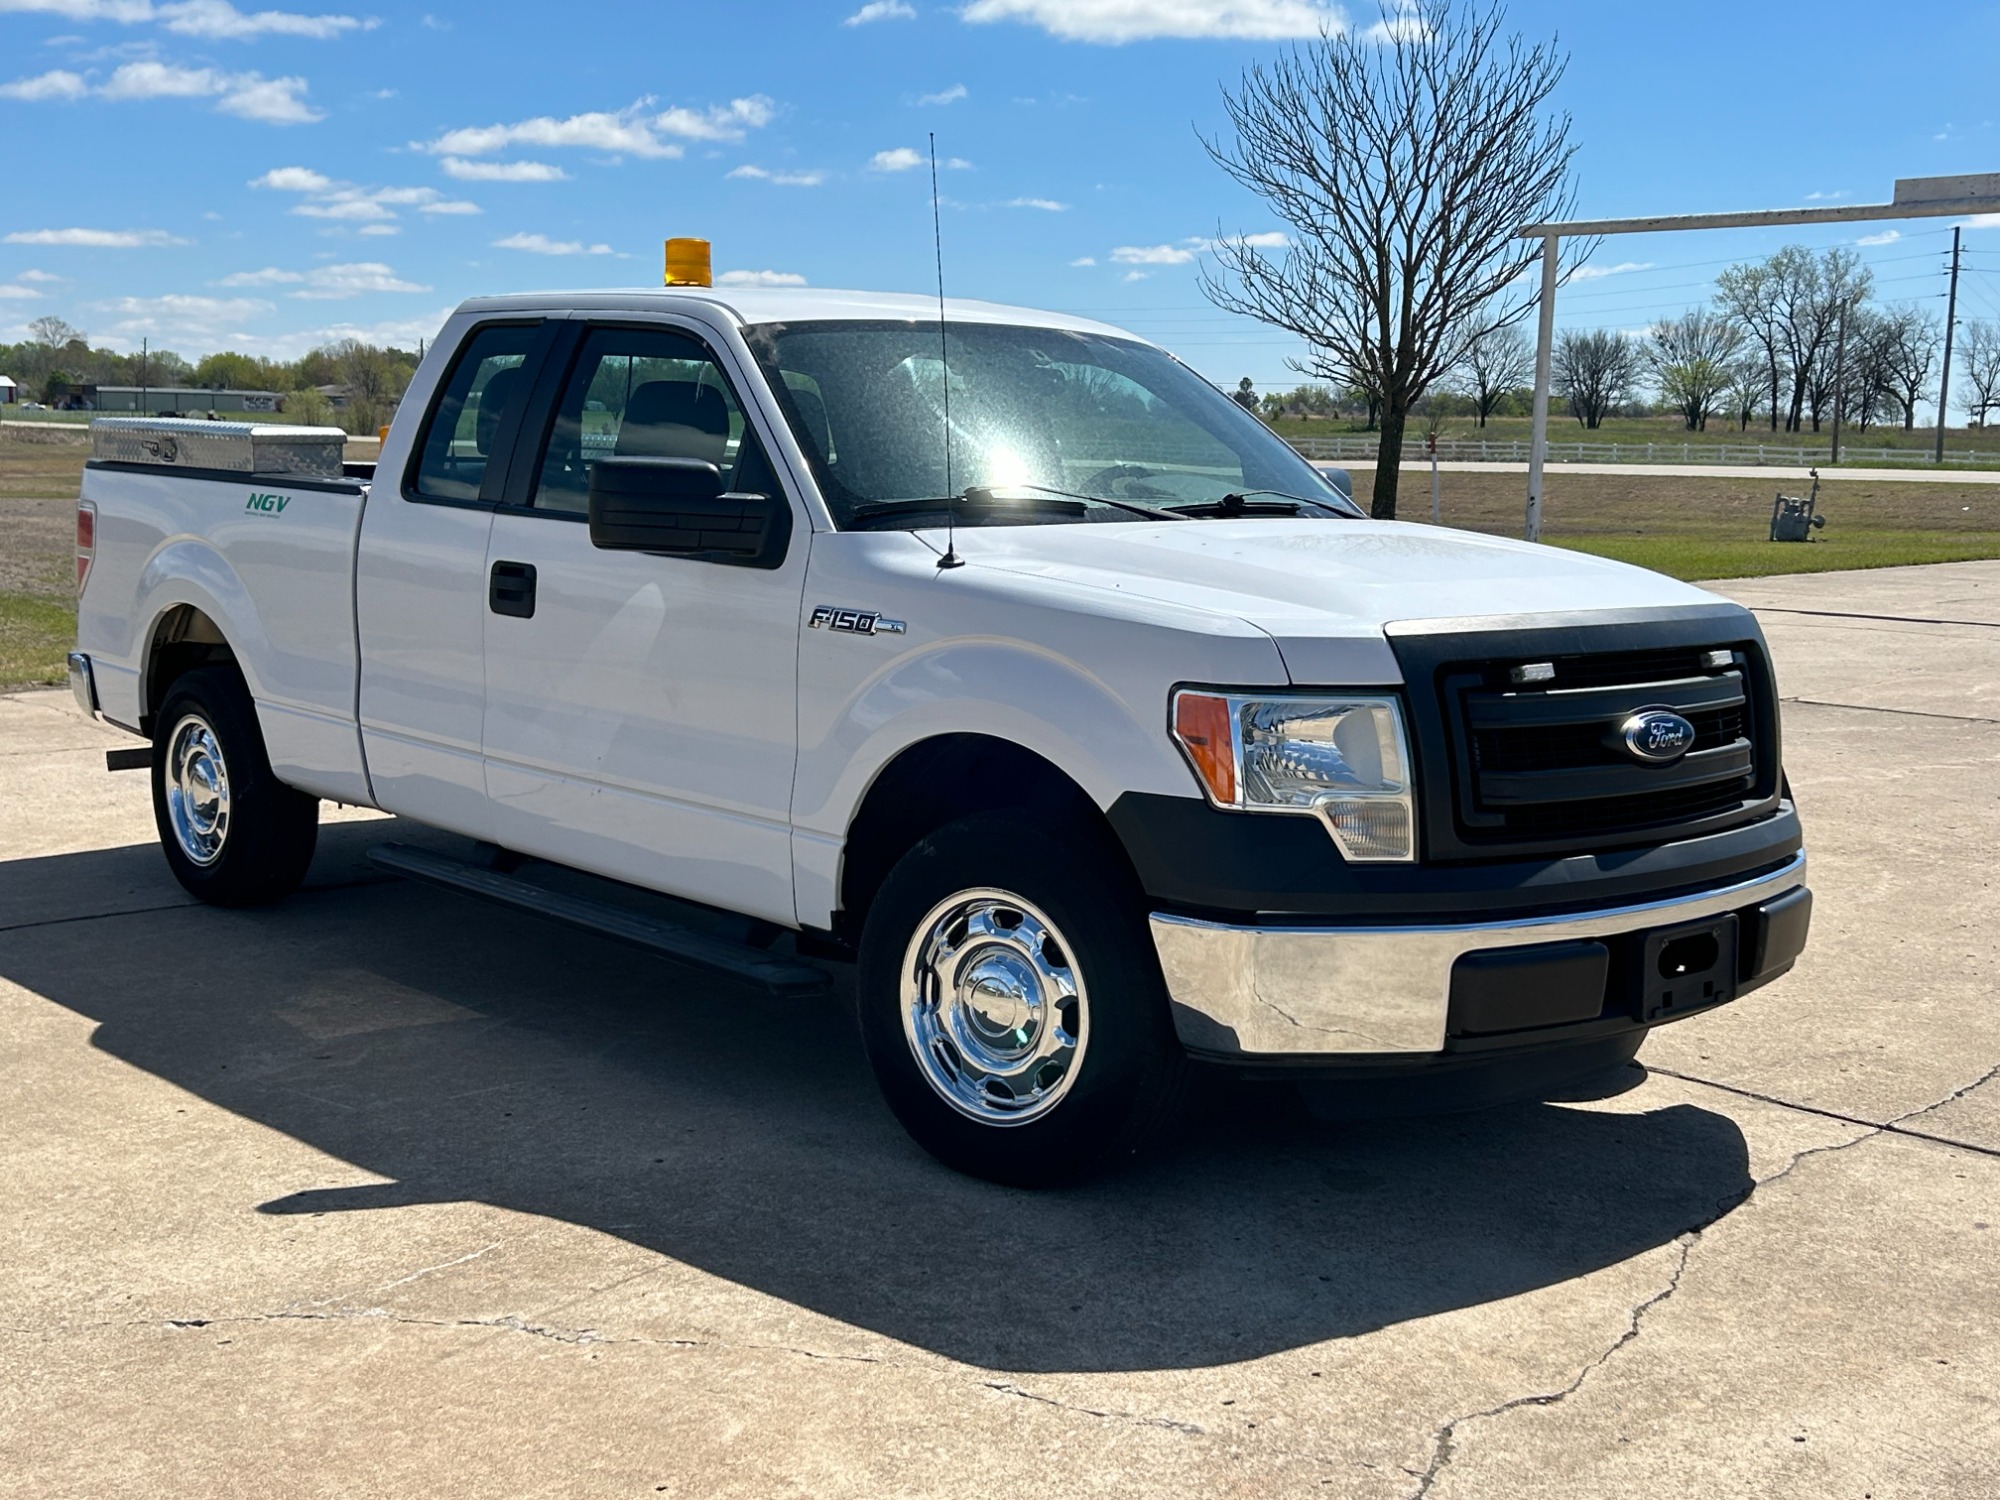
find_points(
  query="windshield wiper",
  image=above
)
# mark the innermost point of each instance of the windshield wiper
(1239, 503)
(974, 501)
(1150, 512)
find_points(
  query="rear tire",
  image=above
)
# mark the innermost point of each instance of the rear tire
(1012, 1005)
(233, 834)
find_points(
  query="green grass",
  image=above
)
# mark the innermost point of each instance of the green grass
(35, 635)
(1694, 558)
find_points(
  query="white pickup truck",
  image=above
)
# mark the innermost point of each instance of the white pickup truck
(990, 649)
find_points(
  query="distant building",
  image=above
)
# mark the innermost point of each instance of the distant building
(166, 400)
(9, 392)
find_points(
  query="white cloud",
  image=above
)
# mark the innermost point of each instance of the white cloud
(944, 96)
(274, 101)
(502, 171)
(95, 239)
(1135, 275)
(44, 276)
(58, 84)
(1982, 221)
(1406, 25)
(346, 202)
(16, 293)
(269, 276)
(722, 122)
(1158, 255)
(541, 244)
(1270, 239)
(760, 278)
(779, 179)
(216, 20)
(1831, 197)
(379, 229)
(328, 283)
(1084, 260)
(1598, 273)
(1886, 237)
(1115, 21)
(1046, 205)
(293, 180)
(629, 131)
(881, 10)
(182, 317)
(903, 158)
(211, 20)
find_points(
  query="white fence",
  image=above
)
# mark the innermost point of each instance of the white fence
(1515, 451)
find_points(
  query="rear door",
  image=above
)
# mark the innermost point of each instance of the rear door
(420, 582)
(640, 711)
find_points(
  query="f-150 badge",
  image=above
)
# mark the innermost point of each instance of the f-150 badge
(853, 621)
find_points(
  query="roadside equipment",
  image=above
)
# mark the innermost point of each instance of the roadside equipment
(1795, 519)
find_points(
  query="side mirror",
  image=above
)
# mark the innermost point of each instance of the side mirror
(676, 507)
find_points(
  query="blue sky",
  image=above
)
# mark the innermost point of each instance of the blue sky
(211, 175)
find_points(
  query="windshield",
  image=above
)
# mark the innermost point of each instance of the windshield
(1033, 410)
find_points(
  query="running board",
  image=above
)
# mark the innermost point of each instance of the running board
(781, 976)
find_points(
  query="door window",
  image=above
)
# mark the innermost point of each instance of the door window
(645, 393)
(464, 428)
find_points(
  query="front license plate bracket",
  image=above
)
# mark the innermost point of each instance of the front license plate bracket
(1688, 968)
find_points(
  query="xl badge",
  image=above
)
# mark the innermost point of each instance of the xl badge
(1656, 736)
(853, 621)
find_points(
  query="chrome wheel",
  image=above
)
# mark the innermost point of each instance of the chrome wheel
(197, 788)
(993, 1007)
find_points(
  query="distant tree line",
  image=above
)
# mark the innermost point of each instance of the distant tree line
(1783, 342)
(57, 360)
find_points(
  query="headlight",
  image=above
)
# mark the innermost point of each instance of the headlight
(1343, 759)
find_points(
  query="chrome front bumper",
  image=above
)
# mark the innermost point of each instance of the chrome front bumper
(1292, 990)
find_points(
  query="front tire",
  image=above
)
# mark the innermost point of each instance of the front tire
(233, 834)
(1012, 1005)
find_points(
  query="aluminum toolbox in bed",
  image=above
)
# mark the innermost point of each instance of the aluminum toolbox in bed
(260, 448)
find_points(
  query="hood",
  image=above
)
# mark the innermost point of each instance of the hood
(1321, 587)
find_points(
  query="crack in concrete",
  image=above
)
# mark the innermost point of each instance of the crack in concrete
(1133, 1418)
(1444, 1441)
(1908, 713)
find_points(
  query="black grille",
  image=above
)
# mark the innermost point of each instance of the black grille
(1542, 764)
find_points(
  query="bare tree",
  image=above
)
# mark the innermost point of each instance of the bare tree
(1497, 363)
(53, 332)
(1692, 358)
(1798, 298)
(1748, 387)
(1594, 372)
(1979, 361)
(1749, 295)
(1911, 341)
(1404, 159)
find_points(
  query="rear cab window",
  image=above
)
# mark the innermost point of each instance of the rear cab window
(463, 431)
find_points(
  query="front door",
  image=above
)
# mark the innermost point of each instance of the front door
(640, 714)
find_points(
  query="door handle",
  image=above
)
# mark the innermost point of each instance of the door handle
(510, 590)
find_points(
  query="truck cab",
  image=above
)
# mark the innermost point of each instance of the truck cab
(996, 653)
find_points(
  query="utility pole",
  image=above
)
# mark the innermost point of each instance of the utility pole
(1950, 322)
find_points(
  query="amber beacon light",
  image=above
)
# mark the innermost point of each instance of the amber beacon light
(687, 263)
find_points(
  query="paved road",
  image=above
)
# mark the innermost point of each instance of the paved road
(387, 1193)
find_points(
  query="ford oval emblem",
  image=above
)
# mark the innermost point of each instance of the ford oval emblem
(1656, 736)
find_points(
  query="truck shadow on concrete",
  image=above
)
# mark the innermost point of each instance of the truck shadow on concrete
(470, 1054)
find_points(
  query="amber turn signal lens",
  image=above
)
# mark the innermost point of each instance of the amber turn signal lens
(1201, 724)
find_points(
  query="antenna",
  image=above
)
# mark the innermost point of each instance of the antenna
(951, 559)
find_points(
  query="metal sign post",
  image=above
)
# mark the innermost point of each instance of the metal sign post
(1915, 198)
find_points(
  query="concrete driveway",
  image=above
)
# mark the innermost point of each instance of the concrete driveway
(384, 1192)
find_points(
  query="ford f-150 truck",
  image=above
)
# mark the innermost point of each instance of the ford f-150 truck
(992, 650)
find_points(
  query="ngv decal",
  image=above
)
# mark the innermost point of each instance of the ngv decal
(273, 505)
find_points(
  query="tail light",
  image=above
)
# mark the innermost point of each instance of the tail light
(86, 540)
